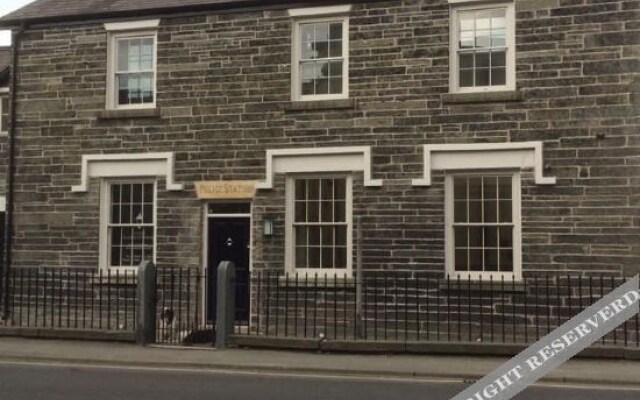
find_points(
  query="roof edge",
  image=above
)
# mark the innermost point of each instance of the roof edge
(10, 23)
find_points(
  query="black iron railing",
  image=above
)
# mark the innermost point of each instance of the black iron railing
(418, 307)
(72, 298)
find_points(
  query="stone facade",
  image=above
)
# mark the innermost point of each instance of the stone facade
(224, 98)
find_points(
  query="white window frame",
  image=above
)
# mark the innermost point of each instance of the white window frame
(296, 87)
(105, 212)
(112, 60)
(496, 276)
(454, 74)
(4, 93)
(289, 230)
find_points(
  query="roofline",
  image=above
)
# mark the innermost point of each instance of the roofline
(196, 8)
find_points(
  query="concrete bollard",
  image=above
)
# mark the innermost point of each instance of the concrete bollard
(146, 315)
(226, 303)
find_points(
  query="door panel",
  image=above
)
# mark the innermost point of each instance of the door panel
(229, 240)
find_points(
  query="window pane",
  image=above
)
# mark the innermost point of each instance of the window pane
(466, 78)
(341, 258)
(498, 76)
(301, 235)
(490, 236)
(461, 236)
(476, 260)
(475, 188)
(475, 236)
(326, 211)
(336, 69)
(490, 212)
(335, 48)
(505, 234)
(482, 60)
(490, 259)
(505, 211)
(482, 77)
(466, 60)
(461, 259)
(467, 40)
(123, 55)
(336, 31)
(314, 257)
(313, 189)
(314, 236)
(506, 260)
(483, 38)
(483, 20)
(341, 236)
(460, 211)
(313, 211)
(467, 21)
(499, 38)
(475, 211)
(301, 257)
(340, 189)
(322, 86)
(498, 58)
(335, 85)
(300, 211)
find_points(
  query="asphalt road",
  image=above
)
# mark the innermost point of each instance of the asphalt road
(46, 382)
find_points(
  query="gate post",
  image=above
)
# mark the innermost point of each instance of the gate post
(147, 296)
(226, 303)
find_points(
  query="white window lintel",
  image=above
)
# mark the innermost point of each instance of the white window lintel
(322, 159)
(132, 25)
(474, 156)
(127, 165)
(319, 11)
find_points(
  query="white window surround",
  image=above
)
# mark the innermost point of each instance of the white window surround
(296, 87)
(315, 160)
(103, 243)
(466, 5)
(478, 156)
(516, 238)
(3, 203)
(319, 11)
(127, 165)
(132, 25)
(289, 218)
(129, 30)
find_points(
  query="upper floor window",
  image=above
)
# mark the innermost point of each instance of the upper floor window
(4, 114)
(132, 65)
(320, 59)
(483, 48)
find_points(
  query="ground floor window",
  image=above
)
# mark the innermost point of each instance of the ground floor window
(319, 223)
(129, 223)
(483, 225)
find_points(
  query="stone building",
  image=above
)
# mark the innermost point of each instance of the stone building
(480, 139)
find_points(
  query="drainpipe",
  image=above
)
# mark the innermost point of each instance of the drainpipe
(8, 231)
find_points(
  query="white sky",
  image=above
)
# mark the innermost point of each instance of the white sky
(6, 6)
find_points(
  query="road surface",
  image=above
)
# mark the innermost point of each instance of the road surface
(64, 382)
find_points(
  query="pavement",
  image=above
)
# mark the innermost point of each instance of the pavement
(459, 368)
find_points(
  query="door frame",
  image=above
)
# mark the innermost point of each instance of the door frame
(205, 245)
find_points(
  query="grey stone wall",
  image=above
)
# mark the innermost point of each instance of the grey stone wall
(223, 91)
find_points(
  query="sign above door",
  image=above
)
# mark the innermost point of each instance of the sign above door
(226, 190)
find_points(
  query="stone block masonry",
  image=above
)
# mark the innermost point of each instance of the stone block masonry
(224, 87)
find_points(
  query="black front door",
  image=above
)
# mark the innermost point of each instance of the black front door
(229, 240)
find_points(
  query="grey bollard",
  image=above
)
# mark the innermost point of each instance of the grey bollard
(146, 315)
(226, 303)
